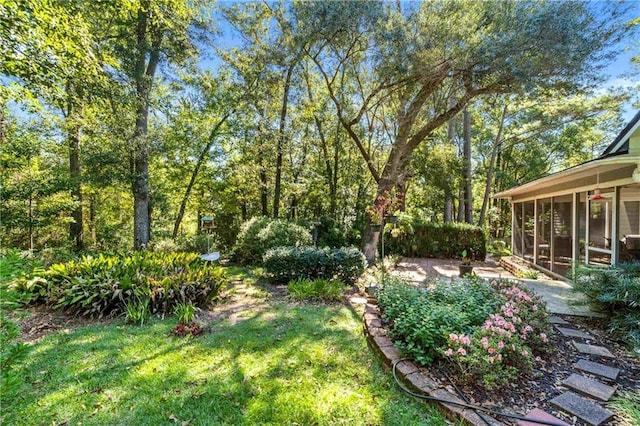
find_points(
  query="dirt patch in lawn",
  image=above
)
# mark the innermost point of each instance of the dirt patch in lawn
(38, 321)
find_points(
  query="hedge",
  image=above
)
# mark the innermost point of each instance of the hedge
(260, 234)
(439, 240)
(289, 263)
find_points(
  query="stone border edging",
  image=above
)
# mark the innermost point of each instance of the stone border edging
(409, 373)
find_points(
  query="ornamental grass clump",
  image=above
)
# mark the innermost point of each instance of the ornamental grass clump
(489, 333)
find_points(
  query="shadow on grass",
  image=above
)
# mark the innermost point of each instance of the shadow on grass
(306, 365)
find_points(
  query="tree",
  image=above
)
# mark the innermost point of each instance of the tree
(50, 48)
(451, 49)
(147, 33)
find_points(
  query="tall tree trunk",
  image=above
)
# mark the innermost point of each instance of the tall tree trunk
(264, 201)
(468, 195)
(194, 174)
(139, 156)
(448, 196)
(497, 143)
(281, 141)
(92, 217)
(75, 177)
(72, 111)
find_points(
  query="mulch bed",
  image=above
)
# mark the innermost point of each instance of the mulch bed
(522, 396)
(38, 321)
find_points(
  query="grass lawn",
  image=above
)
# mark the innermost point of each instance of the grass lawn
(282, 365)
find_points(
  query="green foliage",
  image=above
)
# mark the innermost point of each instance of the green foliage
(445, 240)
(20, 276)
(185, 311)
(498, 249)
(11, 354)
(617, 290)
(319, 288)
(626, 405)
(97, 286)
(330, 233)
(488, 332)
(136, 310)
(531, 274)
(260, 234)
(312, 356)
(289, 263)
(421, 320)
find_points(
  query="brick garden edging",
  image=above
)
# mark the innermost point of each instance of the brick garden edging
(411, 376)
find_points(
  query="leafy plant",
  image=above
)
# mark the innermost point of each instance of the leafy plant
(488, 332)
(616, 290)
(11, 354)
(185, 312)
(261, 234)
(290, 263)
(318, 288)
(627, 407)
(529, 274)
(102, 285)
(137, 310)
(465, 259)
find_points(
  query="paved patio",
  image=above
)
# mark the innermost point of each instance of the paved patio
(558, 295)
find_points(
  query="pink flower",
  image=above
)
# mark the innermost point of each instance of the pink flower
(491, 350)
(491, 359)
(485, 342)
(525, 352)
(453, 337)
(544, 338)
(534, 308)
(448, 352)
(462, 352)
(465, 340)
(538, 359)
(500, 344)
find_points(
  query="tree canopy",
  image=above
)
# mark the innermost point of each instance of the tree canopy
(153, 114)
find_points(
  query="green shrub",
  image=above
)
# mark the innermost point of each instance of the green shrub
(330, 233)
(136, 310)
(313, 289)
(442, 240)
(616, 290)
(486, 332)
(288, 263)
(20, 278)
(96, 286)
(11, 354)
(185, 312)
(261, 234)
(421, 320)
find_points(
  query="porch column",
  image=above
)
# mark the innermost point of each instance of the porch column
(615, 227)
(575, 235)
(535, 232)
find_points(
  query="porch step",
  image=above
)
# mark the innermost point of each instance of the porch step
(539, 414)
(589, 387)
(588, 411)
(597, 369)
(570, 332)
(593, 350)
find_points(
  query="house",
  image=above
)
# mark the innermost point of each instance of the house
(587, 214)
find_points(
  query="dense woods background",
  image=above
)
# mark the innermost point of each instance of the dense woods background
(123, 122)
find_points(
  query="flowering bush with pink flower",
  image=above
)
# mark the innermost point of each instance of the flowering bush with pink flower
(508, 342)
(488, 332)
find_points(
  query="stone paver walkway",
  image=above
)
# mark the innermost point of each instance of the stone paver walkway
(558, 295)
